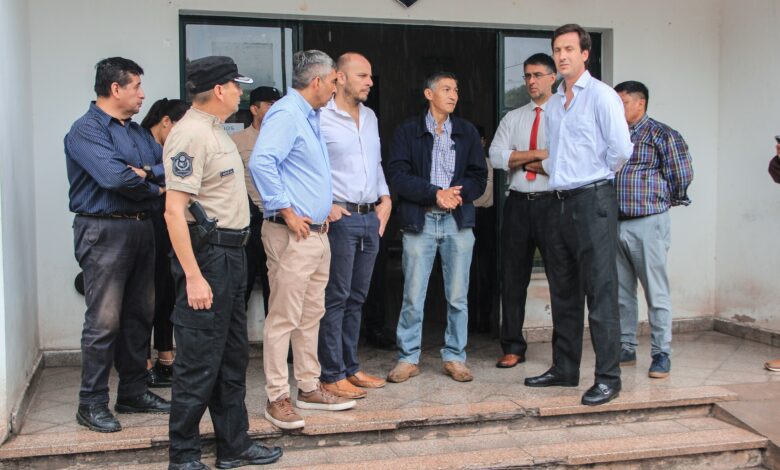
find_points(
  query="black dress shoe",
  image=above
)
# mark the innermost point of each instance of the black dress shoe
(97, 418)
(146, 402)
(256, 454)
(196, 465)
(157, 380)
(380, 340)
(599, 394)
(550, 379)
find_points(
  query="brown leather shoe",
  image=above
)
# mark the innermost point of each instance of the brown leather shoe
(344, 389)
(773, 365)
(458, 371)
(361, 379)
(402, 372)
(509, 360)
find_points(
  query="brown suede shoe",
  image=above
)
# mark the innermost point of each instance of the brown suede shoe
(321, 399)
(361, 379)
(402, 372)
(280, 412)
(509, 360)
(773, 365)
(458, 371)
(344, 389)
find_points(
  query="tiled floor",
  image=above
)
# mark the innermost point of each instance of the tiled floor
(704, 358)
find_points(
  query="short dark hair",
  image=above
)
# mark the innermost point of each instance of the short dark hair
(114, 70)
(634, 88)
(174, 109)
(540, 58)
(585, 42)
(433, 78)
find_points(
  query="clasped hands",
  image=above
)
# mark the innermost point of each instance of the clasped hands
(450, 198)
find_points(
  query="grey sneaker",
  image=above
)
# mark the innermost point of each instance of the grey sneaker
(321, 399)
(281, 413)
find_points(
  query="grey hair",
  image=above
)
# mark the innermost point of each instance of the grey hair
(310, 64)
(433, 79)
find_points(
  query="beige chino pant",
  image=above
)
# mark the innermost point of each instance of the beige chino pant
(297, 273)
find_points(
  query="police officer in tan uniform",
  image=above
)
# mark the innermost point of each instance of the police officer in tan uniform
(203, 165)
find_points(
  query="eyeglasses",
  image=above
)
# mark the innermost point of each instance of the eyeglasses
(536, 75)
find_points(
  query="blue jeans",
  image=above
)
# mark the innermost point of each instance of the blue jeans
(354, 244)
(455, 247)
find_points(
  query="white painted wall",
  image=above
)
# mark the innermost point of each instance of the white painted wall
(748, 262)
(671, 45)
(18, 295)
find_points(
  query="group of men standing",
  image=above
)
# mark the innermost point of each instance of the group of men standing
(306, 178)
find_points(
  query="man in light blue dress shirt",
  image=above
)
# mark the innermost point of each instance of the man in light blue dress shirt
(361, 208)
(588, 142)
(290, 167)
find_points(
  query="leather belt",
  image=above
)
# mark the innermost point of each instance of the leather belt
(319, 228)
(567, 193)
(437, 209)
(532, 196)
(364, 208)
(116, 215)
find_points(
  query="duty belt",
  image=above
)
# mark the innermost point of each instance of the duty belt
(565, 194)
(319, 228)
(364, 208)
(228, 237)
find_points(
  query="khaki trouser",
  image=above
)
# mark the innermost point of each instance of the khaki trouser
(297, 273)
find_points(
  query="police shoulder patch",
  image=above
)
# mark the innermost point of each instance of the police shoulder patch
(182, 165)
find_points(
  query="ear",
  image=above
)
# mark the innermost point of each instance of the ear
(586, 55)
(115, 89)
(254, 109)
(341, 77)
(166, 120)
(428, 94)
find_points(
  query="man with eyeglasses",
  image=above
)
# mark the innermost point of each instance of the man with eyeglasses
(518, 148)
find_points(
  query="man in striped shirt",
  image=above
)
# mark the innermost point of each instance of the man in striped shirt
(653, 180)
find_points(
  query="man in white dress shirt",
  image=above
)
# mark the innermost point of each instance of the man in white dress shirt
(588, 142)
(361, 208)
(520, 141)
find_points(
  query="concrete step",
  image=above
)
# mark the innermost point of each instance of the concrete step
(691, 443)
(383, 427)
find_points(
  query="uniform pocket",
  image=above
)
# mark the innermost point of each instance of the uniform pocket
(195, 319)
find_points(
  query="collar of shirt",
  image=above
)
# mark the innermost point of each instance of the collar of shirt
(204, 116)
(312, 115)
(580, 84)
(104, 117)
(430, 123)
(332, 106)
(640, 123)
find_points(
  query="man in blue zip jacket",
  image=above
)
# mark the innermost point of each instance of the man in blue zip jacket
(436, 168)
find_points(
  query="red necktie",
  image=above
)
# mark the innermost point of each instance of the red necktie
(530, 175)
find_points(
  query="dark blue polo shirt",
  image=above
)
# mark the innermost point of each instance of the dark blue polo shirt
(98, 149)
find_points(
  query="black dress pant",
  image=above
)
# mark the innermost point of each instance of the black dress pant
(482, 278)
(581, 264)
(256, 261)
(212, 357)
(523, 231)
(164, 295)
(117, 257)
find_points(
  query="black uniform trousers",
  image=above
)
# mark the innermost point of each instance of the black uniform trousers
(581, 264)
(256, 261)
(523, 231)
(212, 357)
(117, 257)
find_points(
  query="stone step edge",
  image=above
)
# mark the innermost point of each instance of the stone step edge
(142, 437)
(589, 452)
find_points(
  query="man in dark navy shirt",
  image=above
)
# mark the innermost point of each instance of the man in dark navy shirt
(113, 188)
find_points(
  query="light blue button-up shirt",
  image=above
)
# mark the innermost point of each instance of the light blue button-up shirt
(289, 163)
(589, 141)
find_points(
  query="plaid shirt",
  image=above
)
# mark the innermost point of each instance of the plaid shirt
(659, 172)
(443, 154)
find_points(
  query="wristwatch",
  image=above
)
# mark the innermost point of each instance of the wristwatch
(149, 172)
